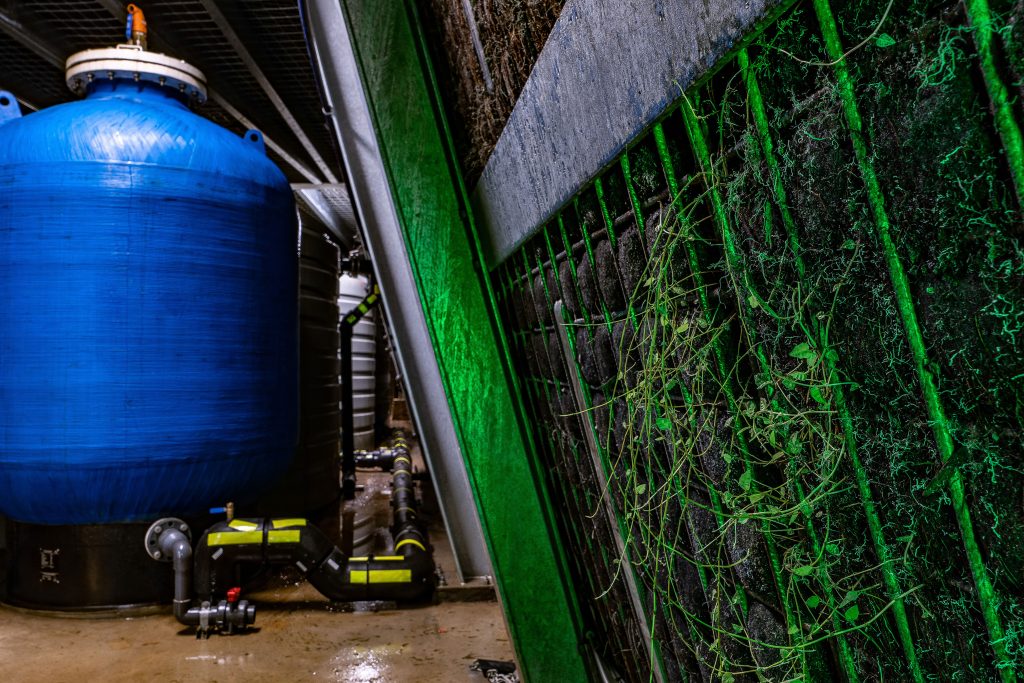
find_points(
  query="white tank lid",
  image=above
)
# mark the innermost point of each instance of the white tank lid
(134, 63)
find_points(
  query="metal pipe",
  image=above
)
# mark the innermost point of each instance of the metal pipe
(407, 574)
(168, 540)
(175, 544)
(334, 58)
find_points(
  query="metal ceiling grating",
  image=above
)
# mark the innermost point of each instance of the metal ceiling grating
(278, 43)
(29, 76)
(73, 25)
(270, 31)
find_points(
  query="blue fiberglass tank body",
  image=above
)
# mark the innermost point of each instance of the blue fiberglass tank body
(148, 311)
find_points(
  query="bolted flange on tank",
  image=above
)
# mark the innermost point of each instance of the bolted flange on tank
(148, 302)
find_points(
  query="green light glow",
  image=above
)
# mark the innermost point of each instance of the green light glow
(980, 17)
(905, 303)
(760, 116)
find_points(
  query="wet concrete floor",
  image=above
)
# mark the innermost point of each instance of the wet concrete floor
(299, 635)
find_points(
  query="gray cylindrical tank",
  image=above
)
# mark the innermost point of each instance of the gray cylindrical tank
(364, 360)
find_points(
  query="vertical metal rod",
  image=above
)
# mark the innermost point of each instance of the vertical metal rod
(792, 625)
(737, 273)
(830, 357)
(609, 225)
(478, 46)
(979, 15)
(627, 176)
(987, 597)
(625, 564)
(593, 264)
(571, 258)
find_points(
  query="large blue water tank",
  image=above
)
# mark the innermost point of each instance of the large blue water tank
(148, 310)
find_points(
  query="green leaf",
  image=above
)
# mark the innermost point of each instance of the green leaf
(852, 613)
(885, 40)
(641, 489)
(813, 601)
(850, 597)
(832, 548)
(744, 480)
(818, 397)
(803, 351)
(752, 301)
(849, 245)
(663, 423)
(804, 570)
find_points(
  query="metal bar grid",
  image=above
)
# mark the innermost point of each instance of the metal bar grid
(830, 623)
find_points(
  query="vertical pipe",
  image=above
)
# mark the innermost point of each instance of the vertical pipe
(987, 597)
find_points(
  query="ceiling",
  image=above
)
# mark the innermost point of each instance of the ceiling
(253, 53)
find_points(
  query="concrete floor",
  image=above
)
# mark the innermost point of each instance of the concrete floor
(300, 636)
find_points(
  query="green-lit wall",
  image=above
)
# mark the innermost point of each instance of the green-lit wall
(510, 493)
(798, 308)
(796, 305)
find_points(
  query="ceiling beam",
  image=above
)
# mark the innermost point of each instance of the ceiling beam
(311, 196)
(117, 10)
(243, 53)
(18, 31)
(27, 104)
(285, 155)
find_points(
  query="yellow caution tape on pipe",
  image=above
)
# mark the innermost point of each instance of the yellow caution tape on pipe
(380, 576)
(412, 541)
(284, 536)
(234, 538)
(286, 522)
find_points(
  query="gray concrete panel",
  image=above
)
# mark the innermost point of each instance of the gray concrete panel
(608, 70)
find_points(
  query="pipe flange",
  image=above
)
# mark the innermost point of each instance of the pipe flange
(134, 63)
(158, 529)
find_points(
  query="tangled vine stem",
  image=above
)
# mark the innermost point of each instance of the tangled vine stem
(810, 434)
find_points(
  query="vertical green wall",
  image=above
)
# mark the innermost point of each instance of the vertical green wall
(510, 496)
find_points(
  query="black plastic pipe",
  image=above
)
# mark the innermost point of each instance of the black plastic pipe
(407, 574)
(172, 544)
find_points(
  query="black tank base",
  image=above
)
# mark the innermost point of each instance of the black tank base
(95, 569)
